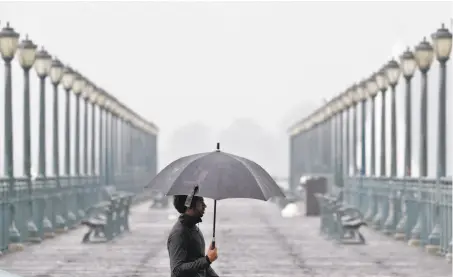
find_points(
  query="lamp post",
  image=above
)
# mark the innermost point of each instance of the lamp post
(108, 141)
(93, 99)
(27, 56)
(42, 66)
(9, 40)
(100, 99)
(424, 58)
(56, 74)
(382, 83)
(67, 81)
(86, 93)
(347, 102)
(408, 66)
(113, 139)
(372, 90)
(339, 114)
(392, 71)
(363, 94)
(355, 100)
(442, 41)
(77, 88)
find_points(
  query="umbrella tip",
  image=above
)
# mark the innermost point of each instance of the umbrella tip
(218, 146)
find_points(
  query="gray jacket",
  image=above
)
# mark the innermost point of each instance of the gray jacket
(186, 248)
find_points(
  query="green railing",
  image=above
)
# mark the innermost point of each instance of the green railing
(96, 142)
(418, 211)
(341, 139)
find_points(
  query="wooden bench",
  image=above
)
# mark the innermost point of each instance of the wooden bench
(349, 219)
(340, 221)
(108, 219)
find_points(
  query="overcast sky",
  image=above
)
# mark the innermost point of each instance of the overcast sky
(213, 62)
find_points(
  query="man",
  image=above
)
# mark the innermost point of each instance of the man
(186, 245)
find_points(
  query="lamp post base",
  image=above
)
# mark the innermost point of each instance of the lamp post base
(15, 247)
(49, 235)
(414, 242)
(433, 249)
(400, 236)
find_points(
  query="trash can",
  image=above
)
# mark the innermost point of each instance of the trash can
(311, 187)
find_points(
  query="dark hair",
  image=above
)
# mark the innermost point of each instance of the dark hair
(180, 200)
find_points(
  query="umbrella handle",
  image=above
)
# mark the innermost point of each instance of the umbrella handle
(213, 226)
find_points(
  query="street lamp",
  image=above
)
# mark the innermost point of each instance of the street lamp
(27, 54)
(424, 55)
(43, 63)
(56, 71)
(101, 99)
(381, 80)
(67, 81)
(408, 65)
(363, 95)
(442, 41)
(373, 89)
(347, 102)
(77, 86)
(382, 83)
(56, 74)
(393, 72)
(355, 99)
(9, 40)
(93, 100)
(68, 78)
(86, 92)
(42, 66)
(340, 107)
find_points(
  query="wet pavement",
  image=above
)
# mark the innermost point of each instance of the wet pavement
(253, 240)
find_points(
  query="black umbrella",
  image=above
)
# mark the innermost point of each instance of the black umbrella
(216, 175)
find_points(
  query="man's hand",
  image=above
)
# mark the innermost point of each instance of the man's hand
(212, 253)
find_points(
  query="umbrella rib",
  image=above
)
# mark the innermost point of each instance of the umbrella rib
(250, 170)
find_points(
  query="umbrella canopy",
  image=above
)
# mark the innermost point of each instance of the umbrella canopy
(218, 175)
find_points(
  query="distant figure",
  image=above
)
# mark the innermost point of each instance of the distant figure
(186, 245)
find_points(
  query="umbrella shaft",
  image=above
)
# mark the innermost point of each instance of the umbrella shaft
(213, 226)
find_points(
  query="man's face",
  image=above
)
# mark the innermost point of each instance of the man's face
(200, 207)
